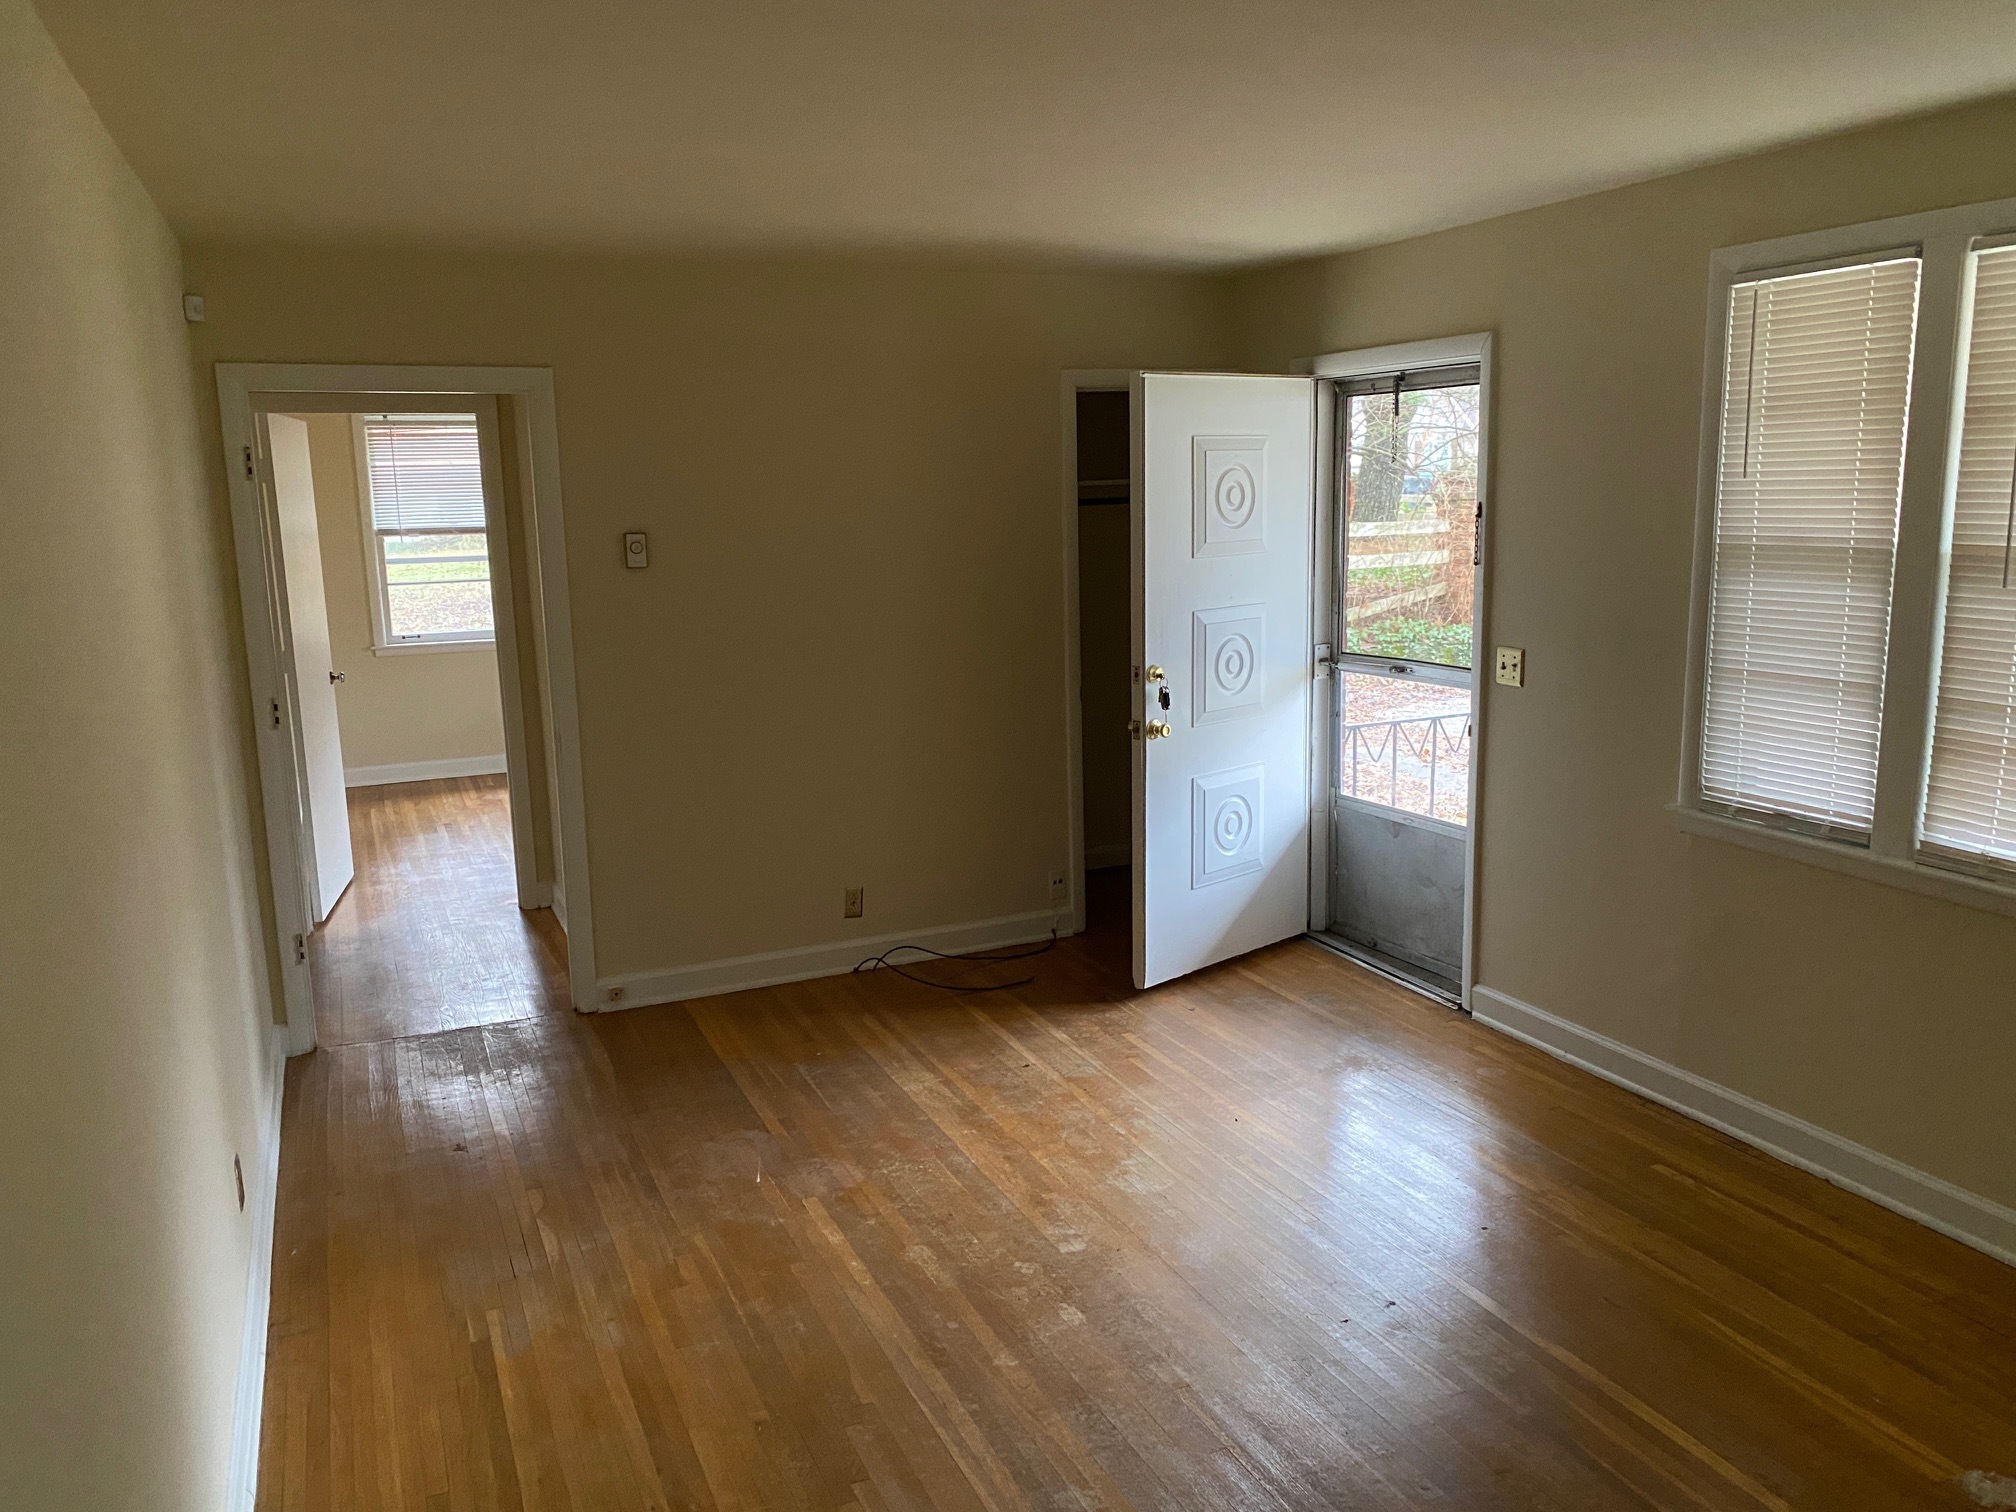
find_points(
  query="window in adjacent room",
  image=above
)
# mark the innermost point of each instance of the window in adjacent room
(425, 530)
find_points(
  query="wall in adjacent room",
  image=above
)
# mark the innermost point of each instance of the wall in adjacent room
(407, 707)
(1879, 1014)
(845, 663)
(136, 1034)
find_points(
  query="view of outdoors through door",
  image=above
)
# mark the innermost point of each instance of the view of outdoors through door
(1410, 499)
(1407, 487)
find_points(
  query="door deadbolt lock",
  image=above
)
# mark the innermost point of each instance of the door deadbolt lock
(1157, 728)
(1154, 674)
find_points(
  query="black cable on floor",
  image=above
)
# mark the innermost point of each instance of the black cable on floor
(976, 958)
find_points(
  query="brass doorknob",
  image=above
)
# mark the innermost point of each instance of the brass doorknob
(1157, 728)
(1154, 674)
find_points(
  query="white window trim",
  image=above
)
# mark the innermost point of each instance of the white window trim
(383, 643)
(1942, 239)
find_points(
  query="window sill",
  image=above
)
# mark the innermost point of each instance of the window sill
(1969, 892)
(421, 648)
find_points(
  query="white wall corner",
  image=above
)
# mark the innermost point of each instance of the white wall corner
(1974, 1220)
(673, 984)
(261, 1201)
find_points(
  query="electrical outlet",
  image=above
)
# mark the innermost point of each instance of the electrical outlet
(857, 898)
(1512, 666)
(1059, 890)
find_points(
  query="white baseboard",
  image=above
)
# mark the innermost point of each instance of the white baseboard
(261, 1199)
(739, 973)
(423, 771)
(1100, 856)
(1974, 1220)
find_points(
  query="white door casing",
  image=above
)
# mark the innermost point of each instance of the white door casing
(305, 619)
(1222, 594)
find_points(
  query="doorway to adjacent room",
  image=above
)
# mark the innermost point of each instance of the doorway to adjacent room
(398, 602)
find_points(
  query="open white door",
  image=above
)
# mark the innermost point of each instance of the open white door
(1223, 513)
(306, 662)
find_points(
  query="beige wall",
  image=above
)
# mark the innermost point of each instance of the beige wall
(134, 1020)
(407, 707)
(1876, 1013)
(845, 662)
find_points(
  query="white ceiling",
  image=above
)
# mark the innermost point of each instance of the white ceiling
(1191, 132)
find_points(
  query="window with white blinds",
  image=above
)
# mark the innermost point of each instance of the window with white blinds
(1970, 796)
(423, 514)
(426, 473)
(1815, 393)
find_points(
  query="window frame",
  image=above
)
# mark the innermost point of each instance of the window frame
(1943, 241)
(383, 641)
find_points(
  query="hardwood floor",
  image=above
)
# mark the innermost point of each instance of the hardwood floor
(1277, 1236)
(430, 936)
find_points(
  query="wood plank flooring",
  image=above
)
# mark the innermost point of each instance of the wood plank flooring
(430, 936)
(1277, 1236)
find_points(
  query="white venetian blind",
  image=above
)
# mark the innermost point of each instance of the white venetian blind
(425, 473)
(1970, 798)
(1815, 392)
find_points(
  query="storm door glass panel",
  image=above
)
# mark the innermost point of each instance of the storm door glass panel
(1405, 745)
(1410, 497)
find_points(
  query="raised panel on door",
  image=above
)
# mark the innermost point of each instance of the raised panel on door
(1222, 556)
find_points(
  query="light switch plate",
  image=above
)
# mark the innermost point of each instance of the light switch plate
(636, 549)
(1512, 666)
